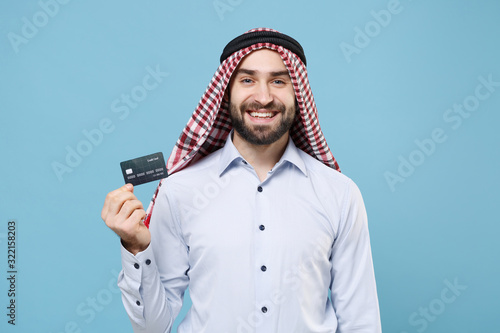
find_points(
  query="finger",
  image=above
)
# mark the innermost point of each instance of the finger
(111, 195)
(132, 225)
(137, 216)
(117, 200)
(114, 203)
(128, 209)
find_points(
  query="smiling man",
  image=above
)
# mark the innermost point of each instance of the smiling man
(262, 105)
(262, 109)
(255, 217)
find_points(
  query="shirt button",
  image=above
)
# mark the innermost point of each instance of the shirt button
(138, 303)
(261, 227)
(264, 309)
(136, 265)
(244, 162)
(148, 262)
(259, 188)
(263, 268)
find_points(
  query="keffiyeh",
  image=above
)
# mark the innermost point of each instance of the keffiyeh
(209, 126)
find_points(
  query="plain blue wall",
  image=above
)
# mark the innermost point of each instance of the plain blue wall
(64, 68)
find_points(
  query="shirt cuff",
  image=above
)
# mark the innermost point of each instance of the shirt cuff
(135, 269)
(138, 266)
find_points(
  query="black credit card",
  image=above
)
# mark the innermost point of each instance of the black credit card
(144, 169)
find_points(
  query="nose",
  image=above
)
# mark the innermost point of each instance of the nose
(263, 94)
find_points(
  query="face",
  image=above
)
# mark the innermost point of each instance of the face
(262, 100)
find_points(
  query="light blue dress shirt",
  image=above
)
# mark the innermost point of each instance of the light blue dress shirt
(257, 256)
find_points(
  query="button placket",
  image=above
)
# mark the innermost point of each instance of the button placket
(262, 243)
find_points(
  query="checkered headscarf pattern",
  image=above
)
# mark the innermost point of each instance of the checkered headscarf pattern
(209, 126)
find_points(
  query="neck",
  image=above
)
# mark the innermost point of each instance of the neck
(261, 157)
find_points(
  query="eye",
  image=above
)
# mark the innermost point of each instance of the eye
(246, 80)
(278, 81)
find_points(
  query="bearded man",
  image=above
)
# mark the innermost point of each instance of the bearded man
(254, 217)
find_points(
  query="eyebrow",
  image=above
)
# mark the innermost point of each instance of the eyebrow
(253, 72)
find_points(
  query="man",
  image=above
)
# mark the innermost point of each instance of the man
(254, 216)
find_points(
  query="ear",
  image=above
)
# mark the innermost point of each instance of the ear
(226, 96)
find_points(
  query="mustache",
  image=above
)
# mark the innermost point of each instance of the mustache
(272, 106)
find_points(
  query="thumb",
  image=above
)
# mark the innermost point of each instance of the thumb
(128, 187)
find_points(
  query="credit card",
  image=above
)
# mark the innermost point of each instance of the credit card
(144, 169)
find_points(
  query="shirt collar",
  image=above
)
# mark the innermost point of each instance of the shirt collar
(292, 155)
(230, 155)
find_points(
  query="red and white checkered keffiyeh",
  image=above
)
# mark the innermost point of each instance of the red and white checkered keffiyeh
(209, 126)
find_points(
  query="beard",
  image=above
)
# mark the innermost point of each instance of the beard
(262, 134)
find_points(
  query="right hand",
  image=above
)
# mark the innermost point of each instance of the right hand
(124, 214)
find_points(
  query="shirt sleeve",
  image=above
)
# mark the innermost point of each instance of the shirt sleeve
(153, 282)
(353, 288)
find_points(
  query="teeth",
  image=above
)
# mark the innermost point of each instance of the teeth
(261, 114)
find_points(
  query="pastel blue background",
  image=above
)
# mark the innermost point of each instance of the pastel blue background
(440, 224)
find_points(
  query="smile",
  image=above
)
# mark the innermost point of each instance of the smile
(262, 115)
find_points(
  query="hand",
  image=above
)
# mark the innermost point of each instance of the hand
(123, 213)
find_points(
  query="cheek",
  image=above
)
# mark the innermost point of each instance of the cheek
(289, 99)
(289, 93)
(235, 99)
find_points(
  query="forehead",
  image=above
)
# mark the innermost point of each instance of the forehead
(263, 60)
